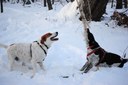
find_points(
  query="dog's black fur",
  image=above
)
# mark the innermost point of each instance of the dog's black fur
(104, 56)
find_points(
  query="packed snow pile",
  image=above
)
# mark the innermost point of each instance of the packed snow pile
(69, 11)
(66, 56)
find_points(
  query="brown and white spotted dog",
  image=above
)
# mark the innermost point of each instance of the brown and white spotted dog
(32, 53)
(97, 56)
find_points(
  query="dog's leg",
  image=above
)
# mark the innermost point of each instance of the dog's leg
(88, 68)
(41, 65)
(23, 64)
(10, 63)
(85, 65)
(34, 68)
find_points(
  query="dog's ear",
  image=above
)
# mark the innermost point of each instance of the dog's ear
(44, 37)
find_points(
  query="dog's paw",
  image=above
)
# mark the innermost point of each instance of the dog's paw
(95, 68)
(32, 77)
(43, 68)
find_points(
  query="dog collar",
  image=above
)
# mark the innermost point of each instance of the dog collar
(31, 50)
(41, 47)
(46, 46)
(93, 51)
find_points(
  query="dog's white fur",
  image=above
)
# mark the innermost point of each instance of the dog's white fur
(22, 52)
(93, 59)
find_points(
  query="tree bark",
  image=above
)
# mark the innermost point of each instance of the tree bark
(125, 4)
(45, 3)
(1, 4)
(49, 5)
(112, 4)
(71, 0)
(53, 1)
(97, 8)
(33, 1)
(119, 4)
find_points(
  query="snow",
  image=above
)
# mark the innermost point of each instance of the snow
(66, 56)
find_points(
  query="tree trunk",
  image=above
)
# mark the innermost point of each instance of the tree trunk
(112, 4)
(45, 3)
(97, 9)
(1, 4)
(119, 4)
(53, 1)
(125, 4)
(49, 5)
(33, 1)
(72, 0)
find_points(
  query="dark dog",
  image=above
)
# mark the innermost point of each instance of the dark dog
(97, 56)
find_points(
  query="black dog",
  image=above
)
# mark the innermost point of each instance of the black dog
(97, 56)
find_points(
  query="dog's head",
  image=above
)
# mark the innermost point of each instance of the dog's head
(49, 38)
(91, 40)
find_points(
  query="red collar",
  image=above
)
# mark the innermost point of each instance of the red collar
(90, 47)
(93, 51)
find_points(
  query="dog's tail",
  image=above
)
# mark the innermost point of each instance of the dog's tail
(125, 59)
(123, 62)
(124, 53)
(3, 46)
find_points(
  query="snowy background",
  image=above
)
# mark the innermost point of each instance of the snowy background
(66, 56)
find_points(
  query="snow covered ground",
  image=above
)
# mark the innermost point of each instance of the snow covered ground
(66, 56)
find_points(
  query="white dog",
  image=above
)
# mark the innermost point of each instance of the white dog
(32, 53)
